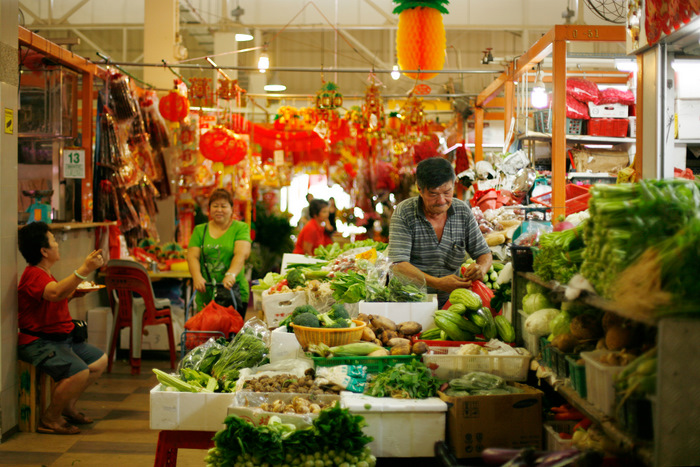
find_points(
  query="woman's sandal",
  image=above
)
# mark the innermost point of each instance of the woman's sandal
(62, 430)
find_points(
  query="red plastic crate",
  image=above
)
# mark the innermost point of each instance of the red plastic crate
(614, 127)
(576, 198)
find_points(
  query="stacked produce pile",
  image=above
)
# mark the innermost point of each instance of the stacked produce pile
(560, 254)
(626, 219)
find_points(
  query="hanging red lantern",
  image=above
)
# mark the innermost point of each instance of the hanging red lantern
(236, 152)
(217, 143)
(174, 106)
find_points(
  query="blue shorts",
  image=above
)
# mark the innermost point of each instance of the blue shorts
(59, 359)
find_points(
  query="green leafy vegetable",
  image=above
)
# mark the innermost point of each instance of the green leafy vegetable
(411, 380)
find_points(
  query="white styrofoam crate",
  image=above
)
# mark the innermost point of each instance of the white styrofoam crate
(508, 367)
(246, 405)
(291, 258)
(197, 411)
(608, 110)
(600, 381)
(400, 427)
(277, 306)
(553, 442)
(284, 345)
(421, 312)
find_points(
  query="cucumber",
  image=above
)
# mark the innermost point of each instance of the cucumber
(505, 329)
(458, 321)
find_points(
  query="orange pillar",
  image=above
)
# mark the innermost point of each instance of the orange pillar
(478, 134)
(559, 130)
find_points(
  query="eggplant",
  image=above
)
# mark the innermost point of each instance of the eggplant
(559, 458)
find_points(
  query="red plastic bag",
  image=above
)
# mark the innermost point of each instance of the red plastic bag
(615, 96)
(576, 109)
(485, 293)
(582, 90)
(215, 317)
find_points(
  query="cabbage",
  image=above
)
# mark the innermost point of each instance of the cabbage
(535, 301)
(560, 324)
(533, 287)
(537, 323)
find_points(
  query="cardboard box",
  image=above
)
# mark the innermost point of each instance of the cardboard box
(246, 405)
(277, 306)
(400, 427)
(688, 114)
(608, 110)
(421, 312)
(475, 423)
(195, 411)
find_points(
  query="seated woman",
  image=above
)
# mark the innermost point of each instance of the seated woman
(45, 324)
(314, 234)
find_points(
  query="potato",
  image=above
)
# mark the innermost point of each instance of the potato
(402, 349)
(382, 322)
(397, 341)
(378, 342)
(379, 353)
(611, 319)
(584, 327)
(565, 342)
(410, 328)
(386, 336)
(363, 317)
(419, 348)
(495, 238)
(620, 337)
(368, 335)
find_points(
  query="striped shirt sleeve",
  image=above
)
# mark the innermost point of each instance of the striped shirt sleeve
(400, 235)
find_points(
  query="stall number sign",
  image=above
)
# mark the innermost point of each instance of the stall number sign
(74, 163)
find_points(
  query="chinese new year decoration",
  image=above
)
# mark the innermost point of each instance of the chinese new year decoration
(329, 97)
(200, 92)
(373, 107)
(222, 145)
(420, 38)
(174, 107)
(229, 89)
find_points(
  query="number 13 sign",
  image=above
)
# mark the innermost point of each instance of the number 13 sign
(74, 163)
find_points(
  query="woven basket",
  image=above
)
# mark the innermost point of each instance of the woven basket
(329, 336)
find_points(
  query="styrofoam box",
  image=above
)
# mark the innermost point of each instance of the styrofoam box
(600, 381)
(197, 411)
(277, 306)
(688, 113)
(291, 258)
(553, 442)
(421, 312)
(608, 110)
(400, 427)
(284, 345)
(451, 365)
(156, 337)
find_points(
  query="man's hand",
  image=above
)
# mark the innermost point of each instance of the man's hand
(452, 282)
(473, 272)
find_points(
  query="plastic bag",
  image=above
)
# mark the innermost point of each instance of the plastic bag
(248, 349)
(398, 287)
(203, 357)
(615, 96)
(215, 317)
(484, 293)
(582, 90)
(576, 109)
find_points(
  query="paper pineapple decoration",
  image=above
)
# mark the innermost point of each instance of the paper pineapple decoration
(420, 38)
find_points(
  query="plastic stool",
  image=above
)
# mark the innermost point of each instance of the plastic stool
(169, 441)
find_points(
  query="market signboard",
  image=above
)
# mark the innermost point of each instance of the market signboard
(74, 163)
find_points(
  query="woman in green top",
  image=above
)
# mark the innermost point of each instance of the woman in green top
(218, 250)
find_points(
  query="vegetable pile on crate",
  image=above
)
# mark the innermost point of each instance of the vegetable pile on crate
(626, 219)
(560, 254)
(332, 251)
(477, 383)
(490, 278)
(334, 439)
(411, 380)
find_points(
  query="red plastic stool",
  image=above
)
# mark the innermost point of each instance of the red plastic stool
(169, 441)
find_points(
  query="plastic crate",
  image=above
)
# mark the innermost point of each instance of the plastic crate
(577, 375)
(577, 197)
(552, 440)
(559, 364)
(443, 347)
(373, 364)
(600, 380)
(530, 342)
(543, 123)
(613, 127)
(508, 367)
(522, 258)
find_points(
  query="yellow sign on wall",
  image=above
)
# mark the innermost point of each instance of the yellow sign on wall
(9, 121)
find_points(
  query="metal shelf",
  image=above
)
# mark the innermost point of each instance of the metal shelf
(535, 136)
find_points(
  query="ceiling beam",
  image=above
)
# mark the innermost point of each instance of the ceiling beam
(391, 19)
(376, 61)
(89, 42)
(70, 12)
(34, 16)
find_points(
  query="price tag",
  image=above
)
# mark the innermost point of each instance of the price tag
(74, 163)
(279, 157)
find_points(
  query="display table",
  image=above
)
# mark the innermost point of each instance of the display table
(170, 441)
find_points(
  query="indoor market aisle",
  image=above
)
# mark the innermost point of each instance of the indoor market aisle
(120, 435)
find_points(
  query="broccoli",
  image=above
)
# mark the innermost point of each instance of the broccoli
(307, 319)
(328, 321)
(297, 311)
(295, 278)
(338, 311)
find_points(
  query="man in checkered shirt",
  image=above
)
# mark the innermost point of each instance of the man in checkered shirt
(430, 234)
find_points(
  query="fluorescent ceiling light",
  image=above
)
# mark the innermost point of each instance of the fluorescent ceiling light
(628, 65)
(538, 98)
(395, 74)
(243, 34)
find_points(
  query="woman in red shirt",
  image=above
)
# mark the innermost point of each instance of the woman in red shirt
(45, 326)
(314, 234)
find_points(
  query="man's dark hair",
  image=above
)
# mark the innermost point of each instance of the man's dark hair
(309, 197)
(32, 238)
(220, 194)
(316, 205)
(434, 172)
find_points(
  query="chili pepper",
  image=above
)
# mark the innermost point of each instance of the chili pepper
(565, 435)
(583, 424)
(573, 415)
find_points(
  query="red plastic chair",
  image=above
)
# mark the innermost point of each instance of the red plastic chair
(124, 279)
